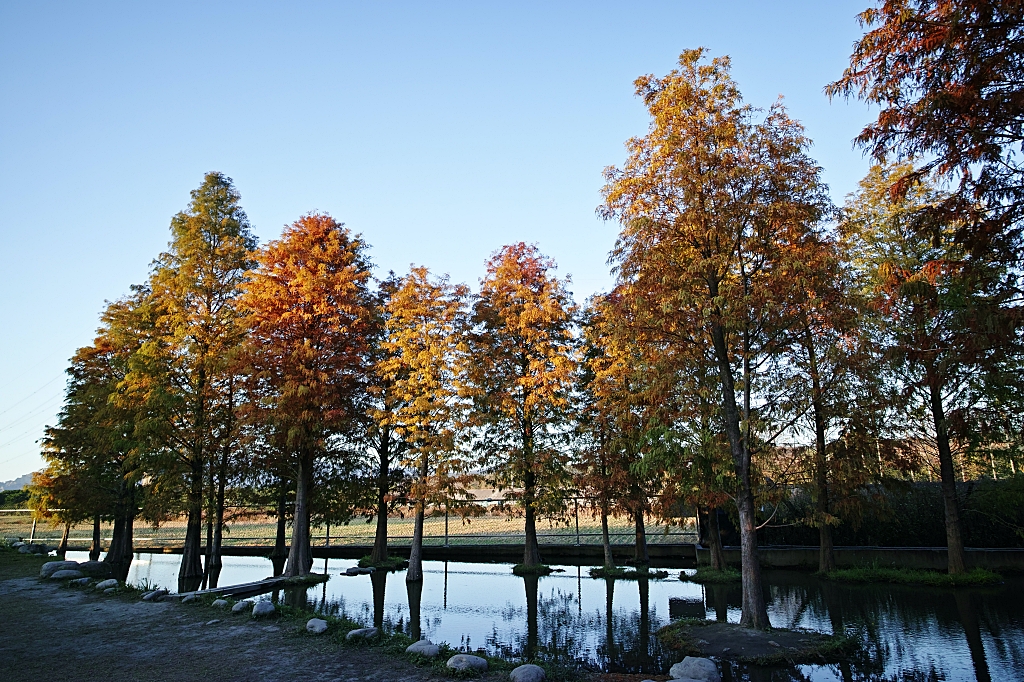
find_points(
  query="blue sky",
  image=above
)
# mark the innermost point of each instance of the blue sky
(440, 131)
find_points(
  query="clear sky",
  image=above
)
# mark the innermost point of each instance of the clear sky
(440, 131)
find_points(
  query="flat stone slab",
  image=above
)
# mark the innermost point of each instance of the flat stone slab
(424, 647)
(362, 633)
(67, 574)
(155, 595)
(467, 662)
(528, 673)
(316, 626)
(109, 582)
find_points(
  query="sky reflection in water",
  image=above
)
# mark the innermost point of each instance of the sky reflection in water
(912, 634)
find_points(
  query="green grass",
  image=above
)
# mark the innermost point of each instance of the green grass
(392, 563)
(706, 575)
(907, 576)
(13, 564)
(538, 569)
(619, 573)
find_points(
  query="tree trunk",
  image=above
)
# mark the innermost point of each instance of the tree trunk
(95, 549)
(280, 553)
(414, 590)
(62, 548)
(208, 556)
(609, 622)
(378, 582)
(216, 562)
(640, 557)
(531, 549)
(380, 539)
(532, 629)
(119, 554)
(644, 648)
(754, 612)
(826, 555)
(715, 541)
(300, 556)
(190, 574)
(954, 542)
(415, 570)
(606, 543)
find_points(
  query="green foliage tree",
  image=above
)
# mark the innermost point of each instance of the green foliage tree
(946, 319)
(184, 371)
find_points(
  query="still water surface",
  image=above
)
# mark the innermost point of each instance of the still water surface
(911, 634)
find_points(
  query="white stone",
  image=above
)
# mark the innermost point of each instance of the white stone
(695, 668)
(212, 622)
(317, 626)
(361, 633)
(424, 647)
(110, 582)
(466, 662)
(66, 574)
(219, 603)
(262, 609)
(110, 590)
(51, 567)
(241, 606)
(527, 673)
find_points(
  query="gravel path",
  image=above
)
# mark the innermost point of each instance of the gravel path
(50, 632)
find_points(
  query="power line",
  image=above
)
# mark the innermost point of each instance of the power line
(31, 394)
(42, 407)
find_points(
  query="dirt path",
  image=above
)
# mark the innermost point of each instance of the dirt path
(50, 632)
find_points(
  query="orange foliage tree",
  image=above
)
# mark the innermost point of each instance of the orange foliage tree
(716, 208)
(425, 364)
(524, 361)
(310, 312)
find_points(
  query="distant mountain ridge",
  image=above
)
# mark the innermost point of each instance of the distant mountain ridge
(18, 483)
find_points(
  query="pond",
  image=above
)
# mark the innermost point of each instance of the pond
(911, 634)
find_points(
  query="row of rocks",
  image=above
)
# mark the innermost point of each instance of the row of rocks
(64, 570)
(29, 547)
(260, 609)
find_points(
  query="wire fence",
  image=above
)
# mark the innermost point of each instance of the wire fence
(492, 523)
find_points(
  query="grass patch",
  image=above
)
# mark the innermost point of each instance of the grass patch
(711, 576)
(305, 580)
(392, 563)
(906, 576)
(619, 573)
(773, 647)
(537, 569)
(14, 564)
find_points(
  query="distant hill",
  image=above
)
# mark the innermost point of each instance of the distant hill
(18, 483)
